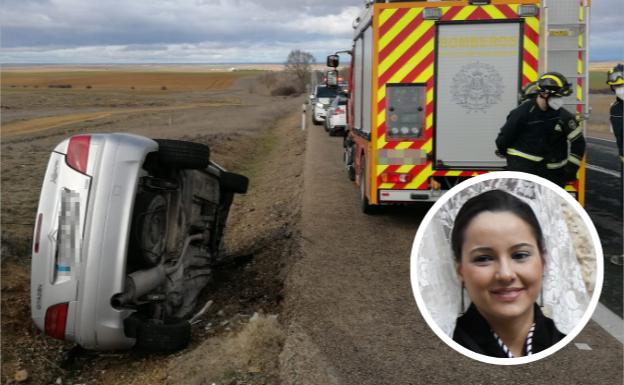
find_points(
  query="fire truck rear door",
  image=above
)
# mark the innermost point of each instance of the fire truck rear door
(478, 68)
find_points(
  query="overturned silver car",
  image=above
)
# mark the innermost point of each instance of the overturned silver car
(126, 233)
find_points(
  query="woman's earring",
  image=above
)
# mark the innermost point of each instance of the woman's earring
(541, 301)
(461, 293)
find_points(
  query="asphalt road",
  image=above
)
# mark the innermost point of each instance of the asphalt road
(352, 316)
(604, 205)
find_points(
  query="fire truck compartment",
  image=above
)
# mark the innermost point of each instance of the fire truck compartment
(478, 70)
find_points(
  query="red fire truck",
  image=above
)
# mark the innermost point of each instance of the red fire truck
(432, 82)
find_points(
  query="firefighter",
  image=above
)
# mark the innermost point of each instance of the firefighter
(542, 138)
(615, 79)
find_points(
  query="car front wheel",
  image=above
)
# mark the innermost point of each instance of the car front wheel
(182, 154)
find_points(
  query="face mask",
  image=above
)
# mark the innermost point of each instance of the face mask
(555, 102)
(619, 92)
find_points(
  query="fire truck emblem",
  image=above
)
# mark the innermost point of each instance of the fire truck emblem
(477, 86)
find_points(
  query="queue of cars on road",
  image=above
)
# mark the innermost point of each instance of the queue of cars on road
(329, 108)
(321, 99)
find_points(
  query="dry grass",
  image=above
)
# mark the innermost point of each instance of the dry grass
(248, 355)
(122, 80)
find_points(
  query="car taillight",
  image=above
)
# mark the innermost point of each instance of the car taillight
(392, 177)
(340, 110)
(78, 152)
(38, 231)
(56, 319)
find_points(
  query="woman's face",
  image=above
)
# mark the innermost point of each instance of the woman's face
(501, 265)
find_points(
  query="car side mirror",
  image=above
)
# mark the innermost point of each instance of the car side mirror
(333, 61)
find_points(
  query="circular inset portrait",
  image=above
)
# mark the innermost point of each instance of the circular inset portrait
(506, 268)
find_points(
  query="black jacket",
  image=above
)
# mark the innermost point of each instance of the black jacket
(543, 135)
(473, 332)
(617, 124)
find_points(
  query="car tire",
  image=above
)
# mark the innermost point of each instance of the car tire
(149, 228)
(182, 154)
(233, 182)
(366, 207)
(168, 336)
(348, 156)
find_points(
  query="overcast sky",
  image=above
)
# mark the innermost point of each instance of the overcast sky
(208, 31)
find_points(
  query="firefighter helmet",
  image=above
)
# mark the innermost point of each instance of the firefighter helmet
(529, 91)
(615, 76)
(554, 83)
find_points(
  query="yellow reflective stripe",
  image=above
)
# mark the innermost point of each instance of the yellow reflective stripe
(381, 141)
(578, 131)
(465, 12)
(553, 77)
(493, 12)
(552, 166)
(534, 158)
(573, 159)
(403, 145)
(427, 146)
(581, 13)
(385, 15)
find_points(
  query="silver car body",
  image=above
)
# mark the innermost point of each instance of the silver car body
(323, 97)
(337, 114)
(81, 257)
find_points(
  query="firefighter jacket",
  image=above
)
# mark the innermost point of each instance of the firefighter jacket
(617, 124)
(551, 137)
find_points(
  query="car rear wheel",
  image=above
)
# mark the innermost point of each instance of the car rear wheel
(149, 229)
(152, 335)
(182, 154)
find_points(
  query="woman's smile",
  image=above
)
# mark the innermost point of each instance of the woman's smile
(507, 294)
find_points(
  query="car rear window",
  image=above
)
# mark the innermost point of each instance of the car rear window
(325, 92)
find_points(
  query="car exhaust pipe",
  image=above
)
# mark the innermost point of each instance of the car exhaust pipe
(187, 242)
(138, 284)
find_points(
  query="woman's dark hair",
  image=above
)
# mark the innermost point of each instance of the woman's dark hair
(493, 201)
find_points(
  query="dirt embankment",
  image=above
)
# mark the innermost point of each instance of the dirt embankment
(259, 137)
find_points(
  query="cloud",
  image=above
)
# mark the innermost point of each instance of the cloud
(207, 30)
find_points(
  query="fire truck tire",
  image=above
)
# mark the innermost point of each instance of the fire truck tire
(182, 154)
(351, 172)
(348, 161)
(364, 205)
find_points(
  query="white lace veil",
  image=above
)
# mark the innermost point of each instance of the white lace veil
(565, 295)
